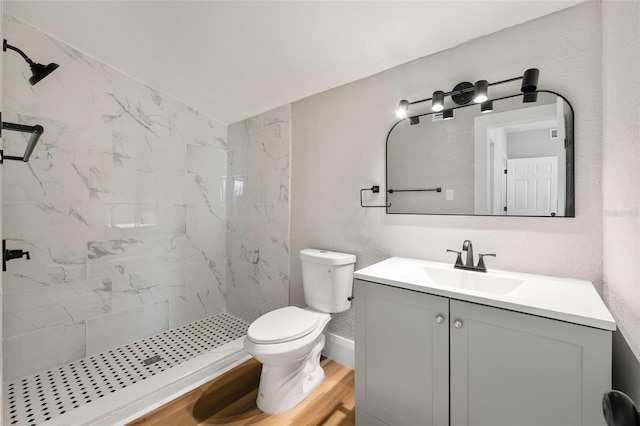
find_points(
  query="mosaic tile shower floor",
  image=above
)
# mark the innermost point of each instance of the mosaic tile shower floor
(46, 395)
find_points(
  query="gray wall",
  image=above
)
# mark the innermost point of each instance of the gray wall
(1, 230)
(620, 177)
(338, 141)
(433, 154)
(534, 143)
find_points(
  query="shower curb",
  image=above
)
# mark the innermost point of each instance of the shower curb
(140, 398)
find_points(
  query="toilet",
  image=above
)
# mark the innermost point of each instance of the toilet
(288, 341)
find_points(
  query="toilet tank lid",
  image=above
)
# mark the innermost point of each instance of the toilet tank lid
(326, 257)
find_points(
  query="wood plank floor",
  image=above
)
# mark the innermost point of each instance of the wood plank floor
(231, 400)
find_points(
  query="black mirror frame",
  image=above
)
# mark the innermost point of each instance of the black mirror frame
(570, 169)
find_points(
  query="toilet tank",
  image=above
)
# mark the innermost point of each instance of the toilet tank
(327, 279)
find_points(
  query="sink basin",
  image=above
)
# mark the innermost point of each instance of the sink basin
(460, 279)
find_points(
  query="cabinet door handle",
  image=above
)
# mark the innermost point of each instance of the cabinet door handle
(439, 319)
(457, 324)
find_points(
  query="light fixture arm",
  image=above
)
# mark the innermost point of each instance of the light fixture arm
(6, 46)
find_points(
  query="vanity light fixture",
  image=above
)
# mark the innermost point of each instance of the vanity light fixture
(464, 92)
(480, 92)
(447, 114)
(39, 71)
(403, 106)
(530, 80)
(530, 97)
(437, 102)
(486, 107)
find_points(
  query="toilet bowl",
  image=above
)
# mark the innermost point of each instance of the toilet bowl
(288, 341)
(290, 366)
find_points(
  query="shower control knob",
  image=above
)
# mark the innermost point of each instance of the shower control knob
(457, 324)
(16, 254)
(439, 319)
(8, 255)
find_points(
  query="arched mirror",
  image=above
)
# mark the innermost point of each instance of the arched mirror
(515, 158)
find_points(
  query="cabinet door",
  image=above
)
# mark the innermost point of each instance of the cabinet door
(402, 355)
(509, 368)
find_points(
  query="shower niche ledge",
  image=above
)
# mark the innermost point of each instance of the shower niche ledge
(435, 346)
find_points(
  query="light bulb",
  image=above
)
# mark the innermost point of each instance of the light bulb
(437, 102)
(403, 106)
(480, 91)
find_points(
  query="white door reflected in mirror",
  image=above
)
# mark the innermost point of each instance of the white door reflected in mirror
(532, 186)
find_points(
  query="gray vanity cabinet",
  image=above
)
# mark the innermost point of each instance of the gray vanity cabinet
(509, 368)
(402, 356)
(480, 365)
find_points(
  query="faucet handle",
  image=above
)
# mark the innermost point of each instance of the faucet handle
(458, 259)
(481, 266)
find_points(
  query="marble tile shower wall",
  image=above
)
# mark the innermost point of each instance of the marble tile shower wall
(258, 214)
(122, 208)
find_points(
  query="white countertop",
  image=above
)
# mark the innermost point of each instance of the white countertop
(564, 299)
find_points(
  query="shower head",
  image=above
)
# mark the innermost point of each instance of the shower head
(39, 71)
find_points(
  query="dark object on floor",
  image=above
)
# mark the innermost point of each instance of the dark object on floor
(619, 409)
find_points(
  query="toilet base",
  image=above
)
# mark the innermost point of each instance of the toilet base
(283, 387)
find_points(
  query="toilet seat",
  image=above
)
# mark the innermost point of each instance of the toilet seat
(282, 325)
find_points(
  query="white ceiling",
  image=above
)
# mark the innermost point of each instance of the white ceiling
(235, 59)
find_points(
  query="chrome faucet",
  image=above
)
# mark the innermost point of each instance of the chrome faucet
(468, 247)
